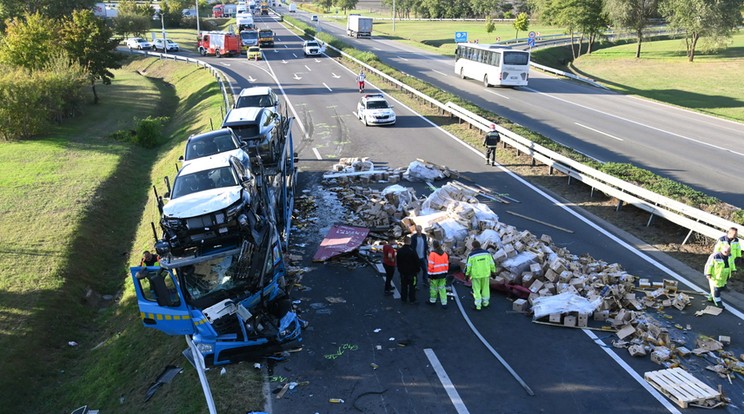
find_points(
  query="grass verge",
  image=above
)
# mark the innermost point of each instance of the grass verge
(76, 211)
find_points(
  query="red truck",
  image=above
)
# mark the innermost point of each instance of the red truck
(218, 44)
(218, 11)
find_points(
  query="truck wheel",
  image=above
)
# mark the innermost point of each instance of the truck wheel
(202, 52)
(217, 53)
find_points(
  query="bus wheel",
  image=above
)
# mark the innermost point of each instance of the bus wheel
(462, 73)
(485, 81)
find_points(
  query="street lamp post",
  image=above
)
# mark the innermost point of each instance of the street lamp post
(197, 16)
(162, 27)
(393, 15)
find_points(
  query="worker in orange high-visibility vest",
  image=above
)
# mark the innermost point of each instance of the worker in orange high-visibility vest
(438, 268)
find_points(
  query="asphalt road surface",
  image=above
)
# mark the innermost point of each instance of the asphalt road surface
(379, 355)
(698, 150)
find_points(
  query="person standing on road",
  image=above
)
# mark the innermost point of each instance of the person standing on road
(490, 141)
(718, 269)
(360, 80)
(730, 239)
(438, 268)
(408, 266)
(420, 244)
(388, 262)
(480, 266)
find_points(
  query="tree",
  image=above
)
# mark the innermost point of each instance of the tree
(50, 8)
(346, 5)
(89, 41)
(325, 4)
(632, 15)
(483, 8)
(131, 24)
(28, 40)
(715, 19)
(591, 21)
(521, 24)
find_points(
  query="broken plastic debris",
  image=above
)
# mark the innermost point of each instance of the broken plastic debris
(391, 339)
(292, 385)
(72, 343)
(331, 299)
(336, 401)
(223, 371)
(373, 365)
(378, 347)
(257, 365)
(377, 330)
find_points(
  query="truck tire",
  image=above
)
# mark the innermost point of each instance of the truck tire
(202, 51)
(217, 54)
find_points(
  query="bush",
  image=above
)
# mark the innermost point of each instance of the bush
(149, 131)
(490, 26)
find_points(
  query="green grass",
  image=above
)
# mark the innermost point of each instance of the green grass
(711, 84)
(76, 208)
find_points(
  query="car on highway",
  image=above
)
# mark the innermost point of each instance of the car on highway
(314, 18)
(138, 43)
(254, 53)
(219, 142)
(374, 109)
(259, 96)
(259, 128)
(208, 203)
(312, 48)
(165, 46)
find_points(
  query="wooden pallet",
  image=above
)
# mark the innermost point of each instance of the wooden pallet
(684, 389)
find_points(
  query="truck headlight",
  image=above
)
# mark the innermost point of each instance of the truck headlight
(205, 348)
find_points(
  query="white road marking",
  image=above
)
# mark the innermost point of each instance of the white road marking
(317, 153)
(225, 64)
(674, 134)
(496, 93)
(276, 51)
(402, 58)
(598, 131)
(317, 60)
(294, 55)
(251, 79)
(284, 61)
(446, 383)
(308, 69)
(487, 345)
(663, 400)
(327, 87)
(441, 73)
(297, 77)
(335, 76)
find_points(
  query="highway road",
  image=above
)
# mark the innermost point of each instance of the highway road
(380, 355)
(698, 150)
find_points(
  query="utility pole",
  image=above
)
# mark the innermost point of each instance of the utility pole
(197, 16)
(393, 15)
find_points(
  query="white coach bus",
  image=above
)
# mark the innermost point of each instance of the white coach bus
(492, 64)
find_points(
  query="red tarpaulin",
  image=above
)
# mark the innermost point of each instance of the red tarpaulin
(340, 239)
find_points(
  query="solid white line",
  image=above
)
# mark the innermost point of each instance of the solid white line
(496, 93)
(598, 131)
(441, 73)
(663, 400)
(327, 87)
(317, 153)
(308, 69)
(488, 346)
(697, 141)
(446, 383)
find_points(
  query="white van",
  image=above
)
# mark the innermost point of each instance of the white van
(292, 7)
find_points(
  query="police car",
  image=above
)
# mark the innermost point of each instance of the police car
(373, 109)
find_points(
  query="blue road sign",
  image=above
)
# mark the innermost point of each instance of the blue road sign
(531, 42)
(461, 37)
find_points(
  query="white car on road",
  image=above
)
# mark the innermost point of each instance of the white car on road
(170, 46)
(373, 109)
(312, 48)
(138, 43)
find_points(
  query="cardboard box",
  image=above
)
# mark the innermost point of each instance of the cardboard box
(551, 275)
(583, 320)
(569, 320)
(637, 350)
(660, 354)
(644, 284)
(626, 331)
(520, 305)
(536, 286)
(555, 317)
(601, 315)
(683, 351)
(726, 340)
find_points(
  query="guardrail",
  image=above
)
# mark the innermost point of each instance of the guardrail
(227, 97)
(693, 219)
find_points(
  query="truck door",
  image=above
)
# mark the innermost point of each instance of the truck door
(161, 303)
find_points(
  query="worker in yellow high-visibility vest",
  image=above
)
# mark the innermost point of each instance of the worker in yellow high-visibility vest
(479, 268)
(718, 269)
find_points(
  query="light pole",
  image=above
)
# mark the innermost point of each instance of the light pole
(393, 15)
(197, 16)
(162, 27)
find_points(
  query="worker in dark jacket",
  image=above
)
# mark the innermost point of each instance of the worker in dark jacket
(408, 266)
(490, 141)
(730, 239)
(420, 245)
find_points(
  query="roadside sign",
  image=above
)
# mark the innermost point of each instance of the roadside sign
(531, 42)
(532, 35)
(461, 37)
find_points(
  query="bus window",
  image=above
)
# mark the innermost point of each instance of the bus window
(516, 58)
